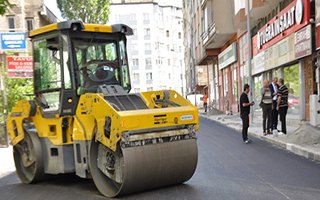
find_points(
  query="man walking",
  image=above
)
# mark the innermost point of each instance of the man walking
(282, 104)
(244, 112)
(274, 116)
(205, 101)
(266, 101)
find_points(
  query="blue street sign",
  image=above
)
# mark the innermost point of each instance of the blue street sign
(13, 41)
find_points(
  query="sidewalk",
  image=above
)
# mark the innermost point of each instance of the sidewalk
(6, 161)
(301, 139)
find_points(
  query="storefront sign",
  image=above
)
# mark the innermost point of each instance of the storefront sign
(228, 56)
(276, 55)
(317, 5)
(13, 41)
(294, 17)
(19, 66)
(302, 42)
(281, 23)
(259, 63)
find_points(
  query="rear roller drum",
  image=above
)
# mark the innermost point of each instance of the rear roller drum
(28, 158)
(139, 168)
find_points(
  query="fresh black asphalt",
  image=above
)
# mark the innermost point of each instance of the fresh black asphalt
(227, 169)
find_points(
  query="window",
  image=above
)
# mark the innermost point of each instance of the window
(135, 62)
(29, 24)
(124, 69)
(157, 45)
(11, 23)
(137, 90)
(179, 35)
(147, 46)
(66, 66)
(180, 49)
(168, 47)
(47, 70)
(134, 30)
(149, 76)
(147, 33)
(169, 76)
(148, 62)
(96, 59)
(169, 63)
(136, 77)
(149, 89)
(146, 16)
(167, 33)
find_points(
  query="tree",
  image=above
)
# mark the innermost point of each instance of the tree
(19, 89)
(4, 6)
(89, 11)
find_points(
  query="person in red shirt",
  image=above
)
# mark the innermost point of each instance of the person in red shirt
(205, 101)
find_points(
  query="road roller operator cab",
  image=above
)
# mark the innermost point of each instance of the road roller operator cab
(83, 119)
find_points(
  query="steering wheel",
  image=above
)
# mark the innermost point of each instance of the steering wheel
(98, 72)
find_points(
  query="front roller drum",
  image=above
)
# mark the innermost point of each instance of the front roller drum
(140, 168)
(28, 158)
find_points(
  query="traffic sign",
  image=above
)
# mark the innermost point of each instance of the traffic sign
(13, 41)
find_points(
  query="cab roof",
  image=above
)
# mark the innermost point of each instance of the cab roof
(80, 26)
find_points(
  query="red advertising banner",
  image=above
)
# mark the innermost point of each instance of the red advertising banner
(317, 5)
(19, 66)
(294, 17)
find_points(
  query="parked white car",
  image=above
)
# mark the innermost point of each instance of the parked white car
(196, 99)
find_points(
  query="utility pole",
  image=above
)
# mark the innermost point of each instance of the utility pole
(4, 98)
(249, 54)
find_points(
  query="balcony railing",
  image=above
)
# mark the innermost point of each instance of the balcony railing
(149, 82)
(147, 52)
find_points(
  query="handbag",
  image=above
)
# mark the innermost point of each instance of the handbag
(261, 104)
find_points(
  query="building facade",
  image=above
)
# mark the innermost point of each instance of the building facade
(281, 43)
(156, 49)
(25, 16)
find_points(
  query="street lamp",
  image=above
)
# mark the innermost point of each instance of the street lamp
(249, 52)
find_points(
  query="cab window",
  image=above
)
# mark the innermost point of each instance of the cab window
(98, 63)
(47, 72)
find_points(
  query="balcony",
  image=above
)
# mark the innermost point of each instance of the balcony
(147, 52)
(135, 67)
(219, 29)
(259, 9)
(148, 66)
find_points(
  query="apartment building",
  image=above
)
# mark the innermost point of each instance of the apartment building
(281, 44)
(24, 17)
(156, 49)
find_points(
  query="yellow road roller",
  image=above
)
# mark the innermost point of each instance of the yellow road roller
(83, 120)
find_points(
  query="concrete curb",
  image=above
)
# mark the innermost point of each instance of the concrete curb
(294, 148)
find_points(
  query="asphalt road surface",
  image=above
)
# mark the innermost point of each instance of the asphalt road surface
(227, 169)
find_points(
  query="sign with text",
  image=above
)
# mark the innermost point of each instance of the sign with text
(317, 5)
(294, 17)
(228, 56)
(13, 41)
(302, 42)
(19, 66)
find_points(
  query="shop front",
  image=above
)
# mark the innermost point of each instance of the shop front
(228, 79)
(283, 48)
